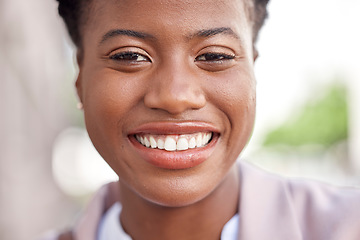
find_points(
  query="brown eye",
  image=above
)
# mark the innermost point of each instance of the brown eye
(214, 57)
(130, 57)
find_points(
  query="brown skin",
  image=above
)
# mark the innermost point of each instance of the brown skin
(169, 80)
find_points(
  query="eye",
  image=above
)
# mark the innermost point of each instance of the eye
(129, 56)
(214, 57)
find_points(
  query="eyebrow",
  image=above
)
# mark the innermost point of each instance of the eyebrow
(214, 31)
(204, 33)
(124, 32)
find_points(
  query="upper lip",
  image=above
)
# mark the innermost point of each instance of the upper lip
(164, 128)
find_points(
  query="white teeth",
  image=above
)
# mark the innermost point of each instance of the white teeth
(209, 137)
(152, 142)
(174, 142)
(192, 143)
(182, 144)
(142, 141)
(160, 144)
(198, 140)
(170, 144)
(206, 138)
(147, 143)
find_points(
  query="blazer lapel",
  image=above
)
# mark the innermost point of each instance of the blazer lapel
(265, 207)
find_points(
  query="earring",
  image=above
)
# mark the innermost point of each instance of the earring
(80, 106)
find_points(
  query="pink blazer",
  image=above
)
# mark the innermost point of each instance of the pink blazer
(270, 207)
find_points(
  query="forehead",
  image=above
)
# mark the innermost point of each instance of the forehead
(178, 16)
(171, 6)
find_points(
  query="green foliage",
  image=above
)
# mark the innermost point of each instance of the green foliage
(320, 121)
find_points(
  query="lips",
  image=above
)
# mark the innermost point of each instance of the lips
(174, 145)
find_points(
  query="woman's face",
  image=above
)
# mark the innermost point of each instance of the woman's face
(168, 92)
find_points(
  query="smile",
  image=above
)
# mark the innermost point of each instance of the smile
(175, 142)
(174, 145)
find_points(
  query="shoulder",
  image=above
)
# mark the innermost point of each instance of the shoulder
(303, 193)
(314, 209)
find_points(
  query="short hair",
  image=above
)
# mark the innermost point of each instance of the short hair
(74, 13)
(259, 14)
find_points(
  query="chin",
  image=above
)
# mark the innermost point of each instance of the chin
(176, 200)
(177, 191)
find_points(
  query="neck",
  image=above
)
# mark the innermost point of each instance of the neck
(204, 219)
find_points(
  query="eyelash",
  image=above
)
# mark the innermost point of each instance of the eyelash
(129, 56)
(215, 57)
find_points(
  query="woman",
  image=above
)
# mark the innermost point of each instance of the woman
(168, 93)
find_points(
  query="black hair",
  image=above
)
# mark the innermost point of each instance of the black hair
(74, 13)
(260, 14)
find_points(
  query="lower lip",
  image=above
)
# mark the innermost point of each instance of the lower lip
(175, 159)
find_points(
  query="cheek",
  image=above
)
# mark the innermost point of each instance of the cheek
(109, 94)
(108, 100)
(234, 93)
(235, 96)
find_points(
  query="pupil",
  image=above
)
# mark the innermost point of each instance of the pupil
(131, 56)
(212, 56)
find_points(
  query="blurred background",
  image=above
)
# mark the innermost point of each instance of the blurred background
(308, 115)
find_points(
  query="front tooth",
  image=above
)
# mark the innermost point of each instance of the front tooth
(182, 144)
(170, 144)
(192, 143)
(160, 144)
(198, 140)
(152, 142)
(147, 143)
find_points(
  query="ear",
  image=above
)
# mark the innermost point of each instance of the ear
(78, 83)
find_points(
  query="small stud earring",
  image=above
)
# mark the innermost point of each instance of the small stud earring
(80, 106)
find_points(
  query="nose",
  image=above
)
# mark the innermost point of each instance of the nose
(175, 89)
